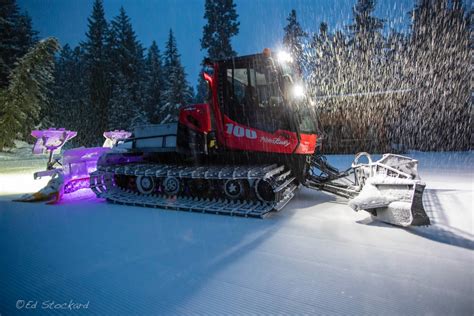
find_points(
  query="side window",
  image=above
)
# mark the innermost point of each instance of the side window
(236, 86)
(238, 82)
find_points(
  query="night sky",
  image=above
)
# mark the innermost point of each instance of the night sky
(261, 21)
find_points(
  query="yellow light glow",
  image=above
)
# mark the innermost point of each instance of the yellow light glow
(283, 57)
(298, 92)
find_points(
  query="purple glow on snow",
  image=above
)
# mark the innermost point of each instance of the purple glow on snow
(80, 196)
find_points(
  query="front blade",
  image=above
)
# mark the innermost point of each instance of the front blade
(420, 217)
(52, 192)
(393, 200)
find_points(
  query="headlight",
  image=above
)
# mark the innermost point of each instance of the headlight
(283, 57)
(298, 91)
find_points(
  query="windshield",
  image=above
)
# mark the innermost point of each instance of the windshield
(306, 118)
(303, 112)
(258, 94)
(256, 86)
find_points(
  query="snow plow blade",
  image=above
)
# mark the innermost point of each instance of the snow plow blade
(393, 202)
(389, 189)
(71, 172)
(51, 193)
(51, 198)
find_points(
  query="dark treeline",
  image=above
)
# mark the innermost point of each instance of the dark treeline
(376, 90)
(110, 81)
(373, 89)
(26, 74)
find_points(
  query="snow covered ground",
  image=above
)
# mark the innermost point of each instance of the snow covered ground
(316, 256)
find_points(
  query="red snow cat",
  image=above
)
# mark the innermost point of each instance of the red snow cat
(245, 152)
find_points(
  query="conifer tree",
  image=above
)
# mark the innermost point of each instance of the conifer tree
(27, 36)
(140, 117)
(62, 87)
(154, 83)
(125, 50)
(293, 40)
(70, 93)
(202, 90)
(222, 25)
(190, 95)
(16, 37)
(343, 68)
(126, 71)
(177, 92)
(367, 44)
(364, 21)
(319, 64)
(96, 58)
(424, 100)
(27, 92)
(439, 56)
(121, 104)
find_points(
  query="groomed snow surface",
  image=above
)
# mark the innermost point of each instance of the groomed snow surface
(316, 256)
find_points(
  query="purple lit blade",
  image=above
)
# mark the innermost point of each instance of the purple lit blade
(51, 139)
(80, 162)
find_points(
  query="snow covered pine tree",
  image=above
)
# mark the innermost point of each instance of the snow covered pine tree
(177, 91)
(27, 92)
(221, 26)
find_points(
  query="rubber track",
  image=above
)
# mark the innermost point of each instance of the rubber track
(101, 182)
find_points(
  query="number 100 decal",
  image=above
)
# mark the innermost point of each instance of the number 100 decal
(239, 131)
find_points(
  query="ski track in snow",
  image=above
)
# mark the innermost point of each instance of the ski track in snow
(316, 256)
